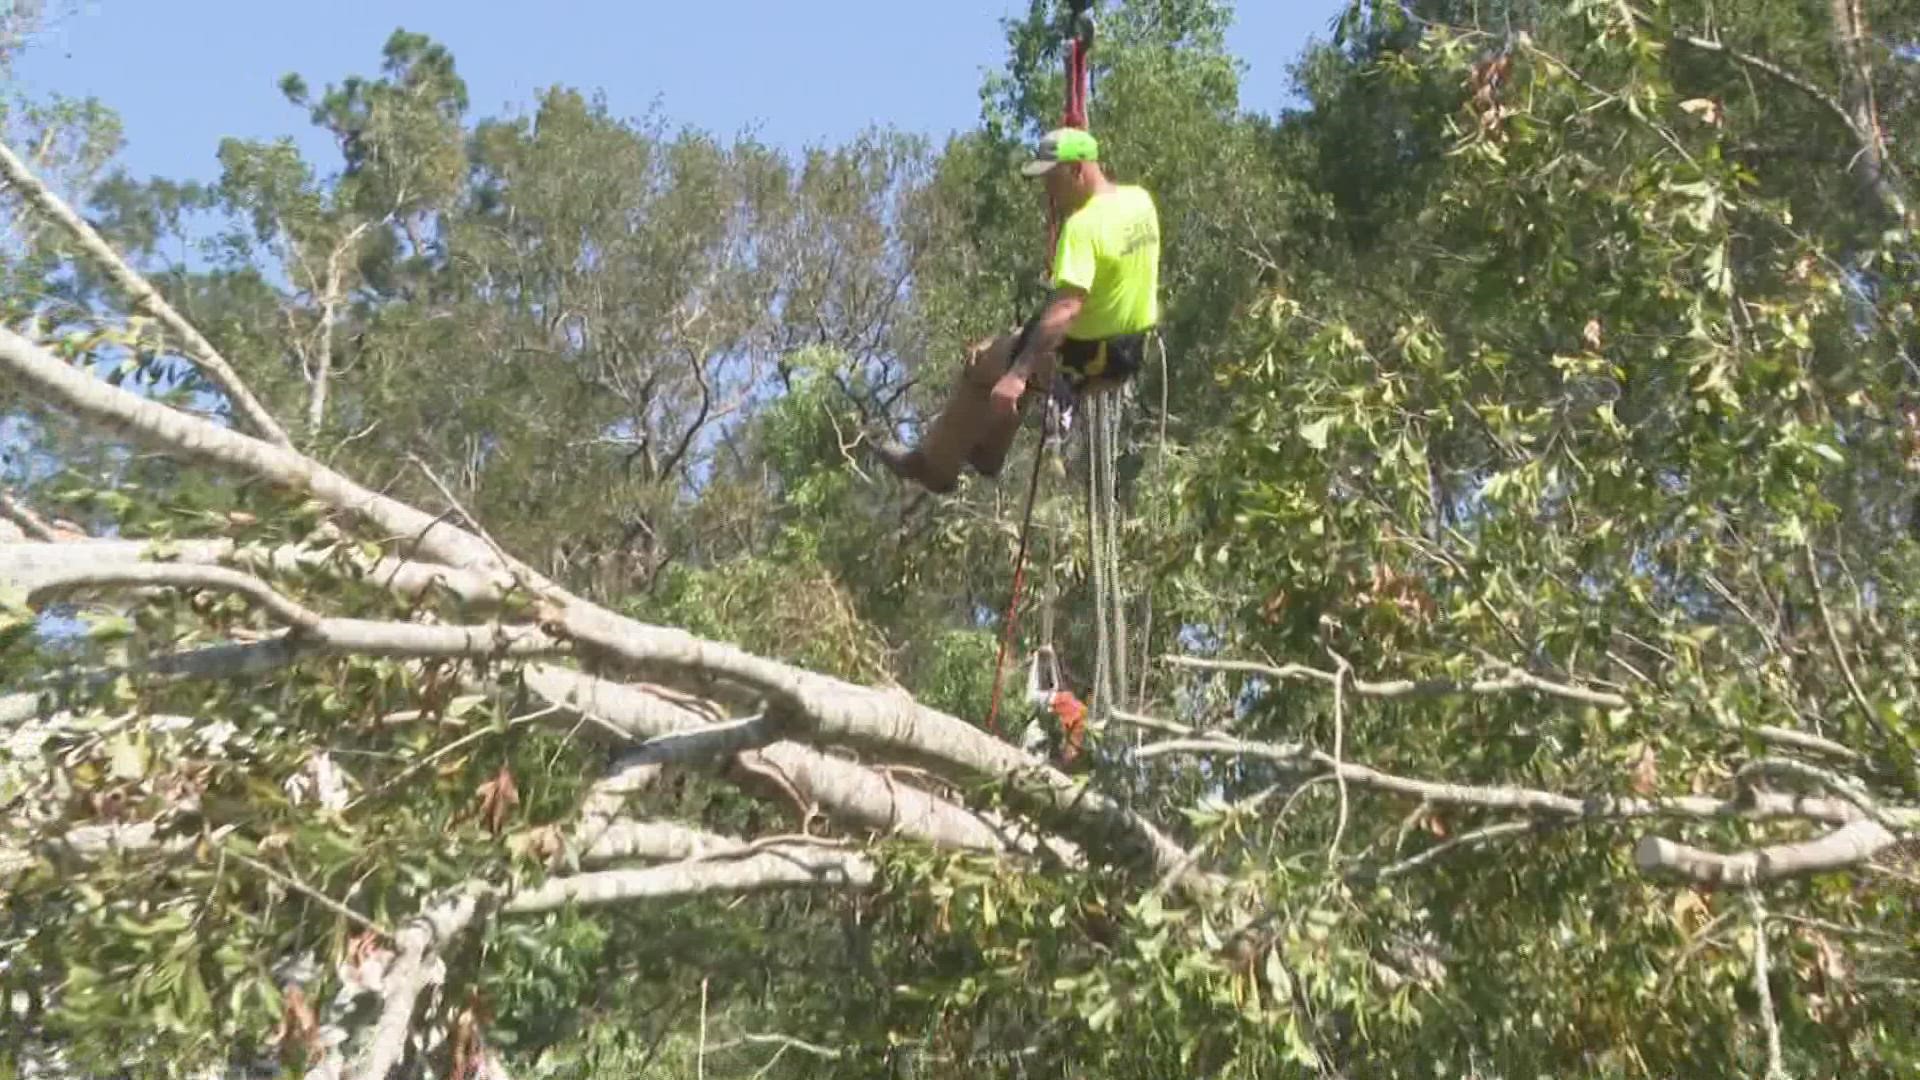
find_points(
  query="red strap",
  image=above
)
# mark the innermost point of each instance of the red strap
(1076, 112)
(1074, 115)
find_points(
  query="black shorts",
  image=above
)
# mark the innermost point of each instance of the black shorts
(1116, 358)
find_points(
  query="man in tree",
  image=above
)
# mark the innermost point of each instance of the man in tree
(1106, 284)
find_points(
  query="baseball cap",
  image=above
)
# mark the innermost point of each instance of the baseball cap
(1061, 145)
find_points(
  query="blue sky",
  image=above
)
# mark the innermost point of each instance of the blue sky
(185, 73)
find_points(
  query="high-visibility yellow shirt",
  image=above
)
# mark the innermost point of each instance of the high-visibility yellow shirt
(1110, 248)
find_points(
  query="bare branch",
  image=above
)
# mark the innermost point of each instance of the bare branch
(1342, 672)
(27, 564)
(785, 1042)
(852, 793)
(1751, 806)
(1801, 740)
(1763, 986)
(1437, 852)
(1845, 787)
(29, 522)
(1151, 723)
(308, 891)
(177, 576)
(144, 295)
(1833, 637)
(1514, 679)
(415, 967)
(329, 303)
(1767, 67)
(1849, 845)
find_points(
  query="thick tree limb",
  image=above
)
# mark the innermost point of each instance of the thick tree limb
(1850, 845)
(655, 841)
(310, 632)
(145, 297)
(37, 372)
(711, 742)
(853, 794)
(415, 967)
(786, 867)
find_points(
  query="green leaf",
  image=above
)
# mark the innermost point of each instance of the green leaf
(127, 757)
(1315, 433)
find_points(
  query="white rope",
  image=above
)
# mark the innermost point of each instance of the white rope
(1096, 558)
(1110, 508)
(1103, 533)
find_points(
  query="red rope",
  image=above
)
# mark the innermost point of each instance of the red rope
(1074, 115)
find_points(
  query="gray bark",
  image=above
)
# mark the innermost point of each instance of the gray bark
(1849, 845)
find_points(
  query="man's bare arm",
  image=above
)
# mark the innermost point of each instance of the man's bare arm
(1062, 308)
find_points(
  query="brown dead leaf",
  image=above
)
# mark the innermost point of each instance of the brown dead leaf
(498, 797)
(1645, 778)
(1706, 109)
(1270, 611)
(299, 1032)
(1690, 911)
(539, 844)
(468, 1045)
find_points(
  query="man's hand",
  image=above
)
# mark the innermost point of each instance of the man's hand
(1006, 393)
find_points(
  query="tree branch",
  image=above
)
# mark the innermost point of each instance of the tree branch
(1514, 679)
(851, 793)
(415, 967)
(144, 295)
(1439, 851)
(29, 522)
(655, 841)
(1802, 740)
(1850, 845)
(1751, 806)
(1767, 67)
(174, 576)
(1833, 637)
(784, 867)
(27, 563)
(1763, 986)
